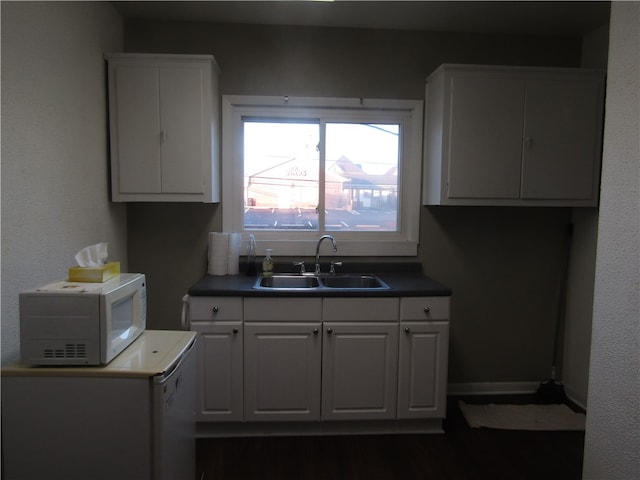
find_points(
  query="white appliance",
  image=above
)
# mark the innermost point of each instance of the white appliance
(73, 323)
(131, 419)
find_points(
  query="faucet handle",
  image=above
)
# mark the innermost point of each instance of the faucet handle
(334, 264)
(301, 265)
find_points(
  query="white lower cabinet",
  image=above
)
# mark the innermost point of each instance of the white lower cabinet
(220, 383)
(282, 359)
(359, 370)
(282, 371)
(322, 359)
(422, 372)
(423, 357)
(359, 358)
(220, 390)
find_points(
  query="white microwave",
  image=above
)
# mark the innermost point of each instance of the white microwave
(73, 323)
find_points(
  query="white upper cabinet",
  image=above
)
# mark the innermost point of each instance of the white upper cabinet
(164, 127)
(512, 136)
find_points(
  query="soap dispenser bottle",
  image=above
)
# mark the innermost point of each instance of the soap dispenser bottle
(251, 256)
(267, 263)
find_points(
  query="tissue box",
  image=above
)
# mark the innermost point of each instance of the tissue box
(94, 274)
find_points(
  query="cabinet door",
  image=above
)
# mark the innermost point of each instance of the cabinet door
(282, 371)
(220, 380)
(359, 372)
(136, 128)
(183, 126)
(422, 377)
(485, 136)
(561, 138)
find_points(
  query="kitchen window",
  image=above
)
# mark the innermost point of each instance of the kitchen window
(297, 168)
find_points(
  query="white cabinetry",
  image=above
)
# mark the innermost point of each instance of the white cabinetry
(219, 321)
(282, 359)
(513, 136)
(423, 357)
(321, 359)
(164, 127)
(359, 358)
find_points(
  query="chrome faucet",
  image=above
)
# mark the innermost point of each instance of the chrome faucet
(335, 249)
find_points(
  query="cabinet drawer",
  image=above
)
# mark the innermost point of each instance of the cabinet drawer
(282, 309)
(215, 308)
(360, 309)
(424, 308)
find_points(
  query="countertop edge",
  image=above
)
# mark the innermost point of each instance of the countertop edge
(400, 284)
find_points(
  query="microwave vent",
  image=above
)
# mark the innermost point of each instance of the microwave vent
(70, 350)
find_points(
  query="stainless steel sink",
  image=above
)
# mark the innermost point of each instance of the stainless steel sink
(286, 282)
(333, 282)
(350, 282)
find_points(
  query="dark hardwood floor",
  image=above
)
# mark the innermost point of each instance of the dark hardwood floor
(460, 453)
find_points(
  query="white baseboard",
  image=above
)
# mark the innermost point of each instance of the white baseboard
(492, 388)
(575, 396)
(508, 388)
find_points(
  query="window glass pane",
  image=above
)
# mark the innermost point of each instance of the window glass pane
(361, 177)
(281, 166)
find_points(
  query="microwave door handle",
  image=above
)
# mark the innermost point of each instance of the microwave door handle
(184, 320)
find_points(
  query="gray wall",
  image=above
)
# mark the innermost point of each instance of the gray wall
(574, 370)
(502, 263)
(612, 442)
(54, 146)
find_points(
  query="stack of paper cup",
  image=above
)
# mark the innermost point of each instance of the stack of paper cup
(224, 253)
(233, 264)
(218, 253)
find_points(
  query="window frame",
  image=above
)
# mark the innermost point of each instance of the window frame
(409, 113)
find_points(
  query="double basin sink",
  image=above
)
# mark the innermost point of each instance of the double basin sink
(348, 281)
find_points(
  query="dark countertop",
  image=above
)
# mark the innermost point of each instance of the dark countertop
(404, 280)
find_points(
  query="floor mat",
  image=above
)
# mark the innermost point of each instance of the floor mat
(522, 417)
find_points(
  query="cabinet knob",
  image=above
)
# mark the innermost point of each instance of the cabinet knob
(407, 330)
(215, 309)
(235, 331)
(315, 331)
(329, 330)
(427, 309)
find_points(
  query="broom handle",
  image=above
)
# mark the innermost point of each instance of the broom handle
(562, 298)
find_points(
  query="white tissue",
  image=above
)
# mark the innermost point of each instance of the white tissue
(93, 255)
